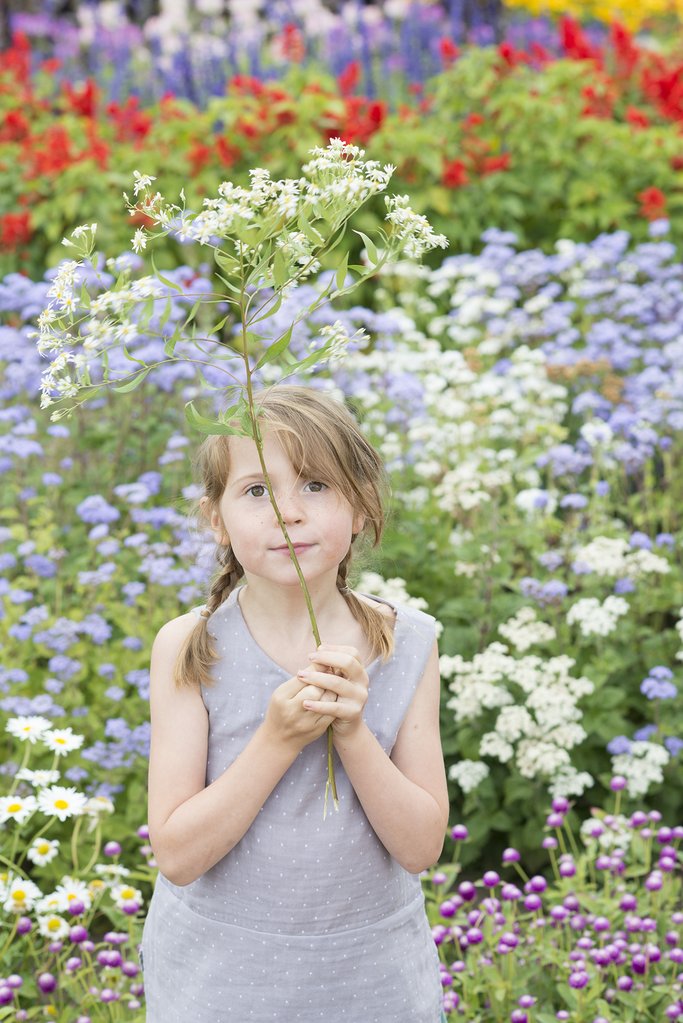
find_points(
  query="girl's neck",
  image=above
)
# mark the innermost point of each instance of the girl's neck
(283, 609)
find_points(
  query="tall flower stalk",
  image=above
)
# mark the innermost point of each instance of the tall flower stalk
(265, 241)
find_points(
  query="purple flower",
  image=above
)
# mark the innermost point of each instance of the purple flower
(641, 541)
(97, 510)
(573, 501)
(674, 745)
(620, 744)
(658, 689)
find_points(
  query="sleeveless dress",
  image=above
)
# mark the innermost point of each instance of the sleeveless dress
(305, 919)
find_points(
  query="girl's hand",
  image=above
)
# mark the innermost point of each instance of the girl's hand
(340, 671)
(287, 718)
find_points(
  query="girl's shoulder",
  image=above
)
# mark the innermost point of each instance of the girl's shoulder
(393, 609)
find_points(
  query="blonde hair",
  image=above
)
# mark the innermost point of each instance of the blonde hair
(323, 441)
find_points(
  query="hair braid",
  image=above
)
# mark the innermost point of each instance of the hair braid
(198, 655)
(376, 625)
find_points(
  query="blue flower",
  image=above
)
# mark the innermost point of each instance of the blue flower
(620, 744)
(656, 689)
(674, 745)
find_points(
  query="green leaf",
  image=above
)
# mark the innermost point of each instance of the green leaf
(165, 315)
(271, 312)
(308, 230)
(171, 342)
(132, 384)
(370, 246)
(280, 269)
(165, 280)
(208, 426)
(275, 349)
(342, 271)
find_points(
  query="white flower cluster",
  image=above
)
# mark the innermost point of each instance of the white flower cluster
(608, 832)
(538, 721)
(394, 590)
(594, 618)
(641, 766)
(524, 630)
(469, 774)
(414, 230)
(613, 556)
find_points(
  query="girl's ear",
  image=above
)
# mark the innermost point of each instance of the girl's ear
(220, 536)
(358, 523)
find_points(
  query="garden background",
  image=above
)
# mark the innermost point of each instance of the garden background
(525, 388)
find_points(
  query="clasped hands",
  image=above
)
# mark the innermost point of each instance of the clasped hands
(331, 690)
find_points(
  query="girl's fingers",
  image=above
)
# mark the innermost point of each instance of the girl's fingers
(334, 711)
(334, 684)
(343, 658)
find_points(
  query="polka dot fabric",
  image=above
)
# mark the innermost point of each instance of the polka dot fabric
(306, 918)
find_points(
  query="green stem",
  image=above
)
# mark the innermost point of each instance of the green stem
(331, 785)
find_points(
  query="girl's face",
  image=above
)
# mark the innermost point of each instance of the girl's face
(319, 519)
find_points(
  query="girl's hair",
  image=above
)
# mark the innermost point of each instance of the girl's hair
(324, 442)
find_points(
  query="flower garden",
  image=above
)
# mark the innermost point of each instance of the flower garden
(523, 382)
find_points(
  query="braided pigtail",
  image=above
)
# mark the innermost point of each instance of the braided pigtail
(193, 667)
(377, 626)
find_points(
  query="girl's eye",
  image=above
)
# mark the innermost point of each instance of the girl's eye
(316, 486)
(257, 486)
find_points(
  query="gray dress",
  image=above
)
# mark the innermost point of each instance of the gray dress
(304, 919)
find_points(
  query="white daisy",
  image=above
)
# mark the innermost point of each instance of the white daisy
(42, 850)
(58, 801)
(30, 728)
(53, 926)
(72, 890)
(19, 808)
(62, 740)
(97, 805)
(38, 778)
(19, 896)
(122, 893)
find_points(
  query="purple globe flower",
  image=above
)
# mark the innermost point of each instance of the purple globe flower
(459, 833)
(579, 979)
(491, 879)
(625, 983)
(549, 842)
(112, 849)
(533, 902)
(6, 994)
(567, 868)
(511, 856)
(439, 878)
(526, 1001)
(46, 982)
(467, 891)
(560, 804)
(24, 925)
(518, 1016)
(554, 820)
(618, 783)
(537, 883)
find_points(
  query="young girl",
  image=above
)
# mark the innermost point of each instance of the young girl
(263, 910)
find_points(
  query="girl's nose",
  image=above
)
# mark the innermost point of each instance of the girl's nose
(290, 506)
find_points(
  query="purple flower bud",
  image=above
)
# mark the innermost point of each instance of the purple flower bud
(674, 1011)
(473, 917)
(518, 1016)
(639, 964)
(676, 956)
(446, 979)
(667, 864)
(654, 954)
(526, 1001)
(549, 842)
(602, 862)
(475, 936)
(111, 849)
(664, 835)
(447, 909)
(554, 820)
(439, 878)
(570, 901)
(625, 983)
(129, 968)
(6, 994)
(562, 1014)
(491, 879)
(559, 913)
(24, 925)
(618, 783)
(671, 938)
(510, 892)
(537, 883)
(88, 945)
(655, 816)
(107, 995)
(76, 907)
(83, 1019)
(578, 979)
(143, 831)
(533, 902)
(511, 856)
(46, 982)
(654, 882)
(578, 923)
(508, 938)
(459, 833)
(628, 902)
(567, 868)
(14, 980)
(638, 818)
(78, 934)
(439, 932)
(560, 804)
(646, 833)
(467, 891)
(73, 963)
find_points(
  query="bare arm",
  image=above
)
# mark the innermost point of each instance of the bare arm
(405, 796)
(193, 825)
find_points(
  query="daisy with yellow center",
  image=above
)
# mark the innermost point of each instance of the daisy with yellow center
(122, 893)
(53, 926)
(19, 896)
(61, 740)
(27, 728)
(42, 851)
(18, 808)
(58, 801)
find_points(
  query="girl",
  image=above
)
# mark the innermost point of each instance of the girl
(263, 910)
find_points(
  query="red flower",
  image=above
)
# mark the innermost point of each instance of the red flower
(626, 52)
(472, 121)
(227, 154)
(361, 119)
(599, 102)
(454, 174)
(349, 78)
(638, 118)
(199, 155)
(448, 50)
(677, 163)
(130, 121)
(292, 43)
(652, 203)
(83, 100)
(575, 43)
(15, 229)
(511, 56)
(14, 128)
(493, 164)
(246, 85)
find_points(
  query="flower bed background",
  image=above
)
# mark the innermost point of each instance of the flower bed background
(527, 395)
